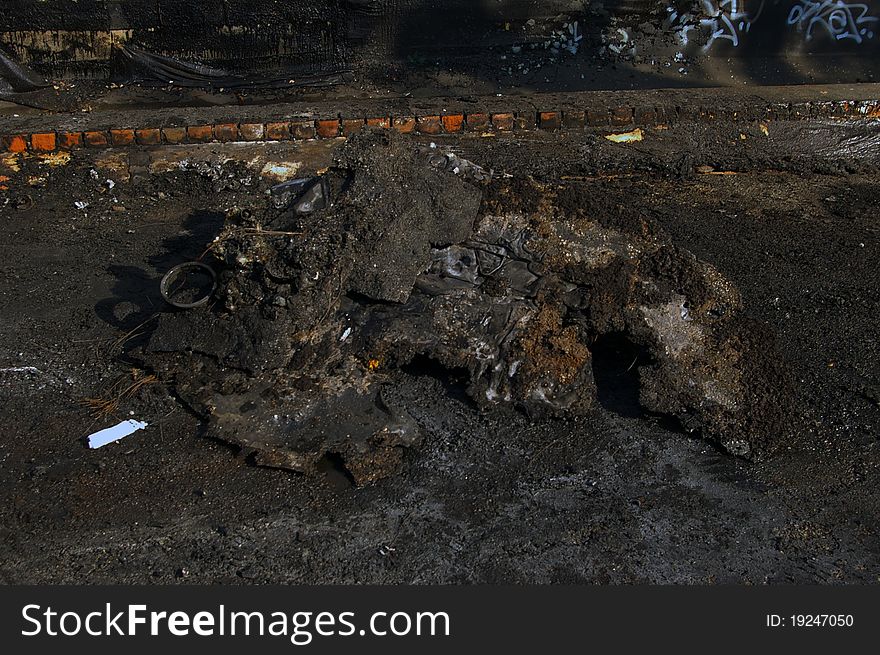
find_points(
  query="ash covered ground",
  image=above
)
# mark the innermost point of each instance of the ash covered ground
(617, 491)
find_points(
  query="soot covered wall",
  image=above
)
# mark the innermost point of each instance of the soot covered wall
(74, 38)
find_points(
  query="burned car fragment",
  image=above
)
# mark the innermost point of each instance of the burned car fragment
(316, 312)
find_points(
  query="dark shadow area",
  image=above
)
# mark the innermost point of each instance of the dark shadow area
(332, 466)
(616, 362)
(135, 297)
(454, 380)
(136, 300)
(513, 44)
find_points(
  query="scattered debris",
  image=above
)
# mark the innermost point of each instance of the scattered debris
(20, 369)
(54, 159)
(226, 174)
(122, 389)
(445, 160)
(188, 285)
(305, 195)
(626, 137)
(285, 193)
(117, 432)
(280, 171)
(81, 204)
(314, 198)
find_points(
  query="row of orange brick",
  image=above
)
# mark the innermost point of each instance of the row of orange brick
(274, 131)
(436, 124)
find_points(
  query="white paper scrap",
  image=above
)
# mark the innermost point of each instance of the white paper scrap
(117, 432)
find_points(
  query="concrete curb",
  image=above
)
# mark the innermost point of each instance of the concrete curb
(434, 122)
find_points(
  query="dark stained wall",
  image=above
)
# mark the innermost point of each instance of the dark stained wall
(74, 38)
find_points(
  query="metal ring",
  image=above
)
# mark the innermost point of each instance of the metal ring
(175, 272)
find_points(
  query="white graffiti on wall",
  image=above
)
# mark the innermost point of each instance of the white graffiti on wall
(725, 20)
(842, 20)
(728, 20)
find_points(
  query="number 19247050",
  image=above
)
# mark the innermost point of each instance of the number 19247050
(810, 621)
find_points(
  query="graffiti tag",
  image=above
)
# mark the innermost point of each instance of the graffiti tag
(842, 20)
(728, 20)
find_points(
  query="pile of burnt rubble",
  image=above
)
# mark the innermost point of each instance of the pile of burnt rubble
(400, 252)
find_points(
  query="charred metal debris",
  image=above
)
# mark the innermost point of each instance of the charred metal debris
(406, 253)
